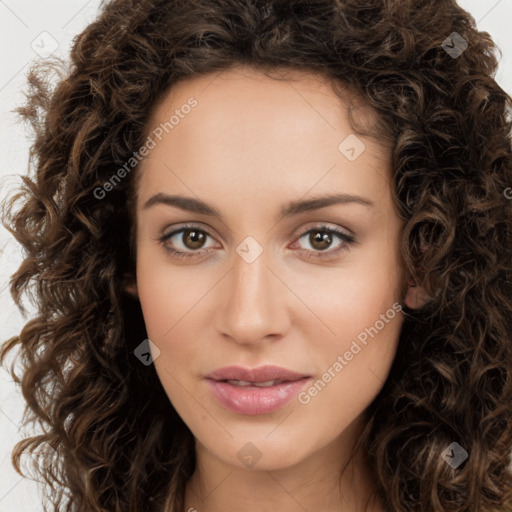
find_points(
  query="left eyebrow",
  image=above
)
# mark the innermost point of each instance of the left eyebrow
(292, 208)
(300, 206)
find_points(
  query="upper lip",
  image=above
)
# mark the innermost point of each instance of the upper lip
(261, 374)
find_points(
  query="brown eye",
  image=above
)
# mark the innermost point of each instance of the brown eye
(187, 241)
(322, 238)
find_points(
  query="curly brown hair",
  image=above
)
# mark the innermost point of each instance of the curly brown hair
(121, 445)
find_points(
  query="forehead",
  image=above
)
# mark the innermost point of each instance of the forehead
(292, 94)
(251, 130)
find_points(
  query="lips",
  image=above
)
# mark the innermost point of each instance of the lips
(255, 375)
(255, 391)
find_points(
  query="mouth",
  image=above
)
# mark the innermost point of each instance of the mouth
(246, 383)
(261, 375)
(254, 392)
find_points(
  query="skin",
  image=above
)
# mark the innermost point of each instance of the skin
(250, 146)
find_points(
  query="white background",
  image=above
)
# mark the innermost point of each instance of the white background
(27, 26)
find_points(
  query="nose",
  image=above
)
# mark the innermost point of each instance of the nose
(252, 303)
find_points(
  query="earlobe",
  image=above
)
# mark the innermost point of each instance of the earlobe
(130, 287)
(416, 296)
(132, 290)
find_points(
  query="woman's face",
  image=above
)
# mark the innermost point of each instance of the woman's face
(250, 287)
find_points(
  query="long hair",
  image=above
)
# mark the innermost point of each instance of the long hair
(120, 445)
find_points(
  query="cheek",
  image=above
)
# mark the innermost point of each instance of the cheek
(364, 341)
(345, 302)
(352, 368)
(358, 317)
(167, 295)
(174, 302)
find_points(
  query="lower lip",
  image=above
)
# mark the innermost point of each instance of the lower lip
(252, 400)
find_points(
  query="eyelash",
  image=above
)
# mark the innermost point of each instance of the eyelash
(347, 239)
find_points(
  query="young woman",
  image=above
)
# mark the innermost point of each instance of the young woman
(271, 248)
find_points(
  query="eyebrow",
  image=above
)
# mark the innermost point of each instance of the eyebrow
(292, 208)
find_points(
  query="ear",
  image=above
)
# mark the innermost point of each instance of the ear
(416, 296)
(130, 286)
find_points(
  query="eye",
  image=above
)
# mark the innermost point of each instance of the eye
(189, 241)
(187, 238)
(320, 238)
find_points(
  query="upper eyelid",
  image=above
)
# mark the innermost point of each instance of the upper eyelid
(179, 229)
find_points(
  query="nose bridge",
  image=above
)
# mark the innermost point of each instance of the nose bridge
(252, 305)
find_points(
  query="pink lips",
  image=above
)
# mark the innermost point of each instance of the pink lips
(251, 399)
